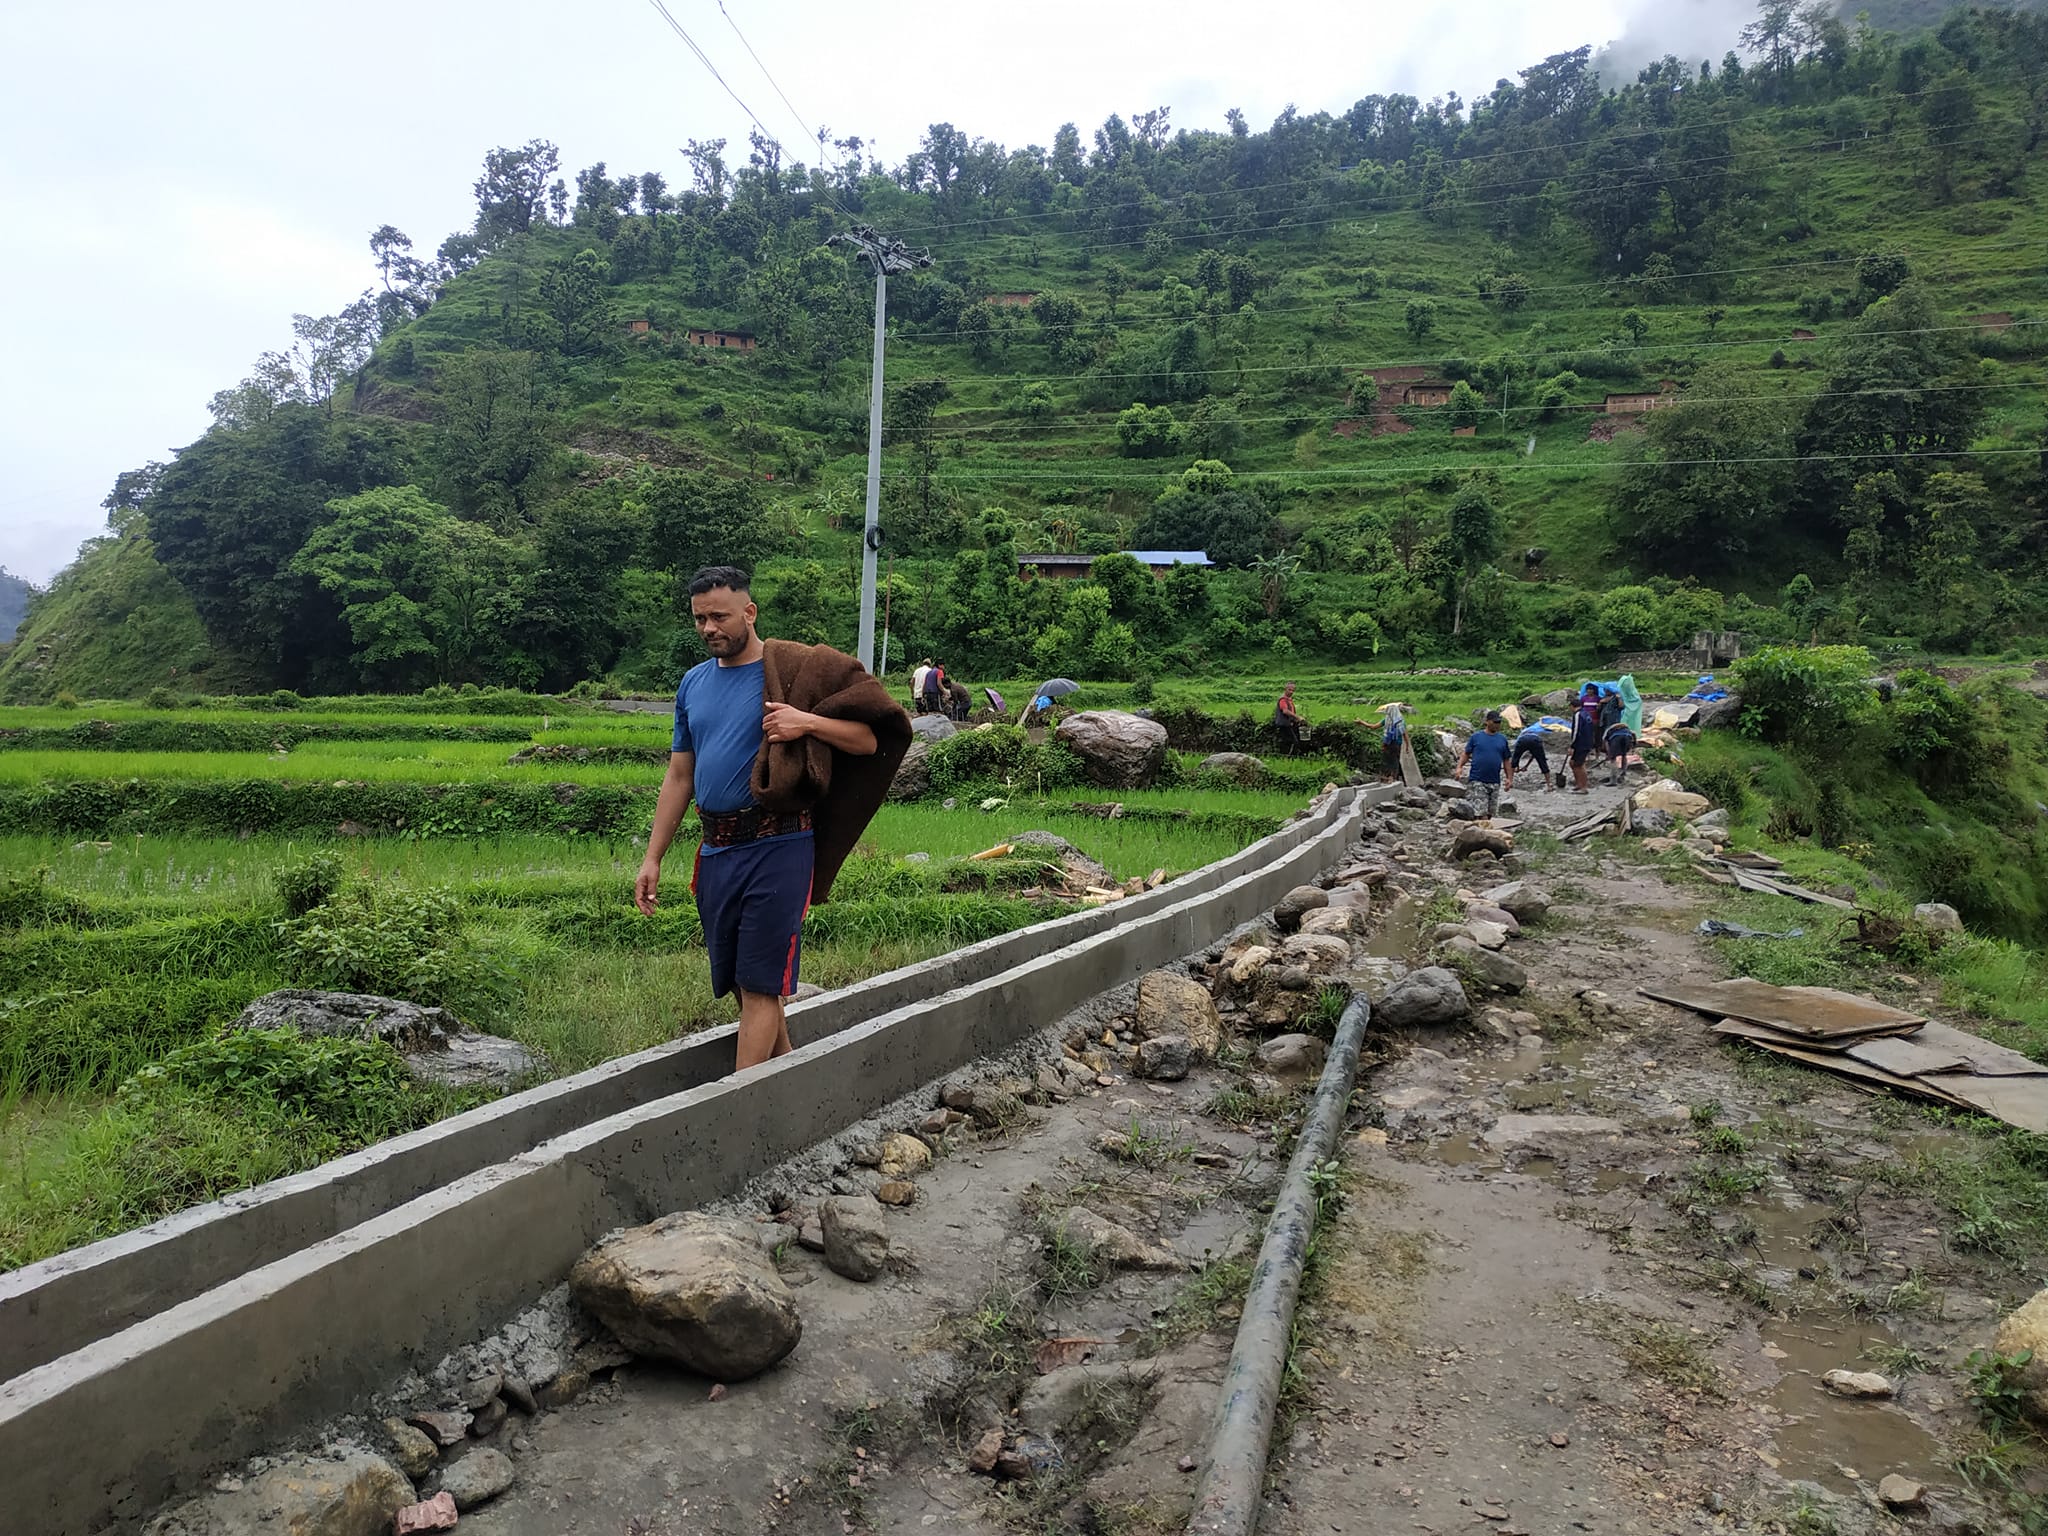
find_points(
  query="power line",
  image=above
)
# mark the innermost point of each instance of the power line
(1436, 361)
(1148, 322)
(1100, 418)
(705, 59)
(1452, 161)
(1522, 466)
(815, 136)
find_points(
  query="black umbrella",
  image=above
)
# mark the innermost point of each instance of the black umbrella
(1057, 688)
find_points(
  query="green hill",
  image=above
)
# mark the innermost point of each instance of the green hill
(1817, 273)
(14, 595)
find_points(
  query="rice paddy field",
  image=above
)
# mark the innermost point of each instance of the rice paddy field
(161, 868)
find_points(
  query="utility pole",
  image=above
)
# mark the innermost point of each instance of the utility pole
(890, 256)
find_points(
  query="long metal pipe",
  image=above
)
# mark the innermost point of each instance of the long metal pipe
(1232, 1477)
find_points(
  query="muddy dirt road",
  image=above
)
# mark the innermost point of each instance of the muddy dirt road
(1584, 1269)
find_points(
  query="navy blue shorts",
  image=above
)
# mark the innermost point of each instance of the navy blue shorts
(751, 900)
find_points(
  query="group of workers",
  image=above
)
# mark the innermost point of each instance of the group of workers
(934, 693)
(1599, 725)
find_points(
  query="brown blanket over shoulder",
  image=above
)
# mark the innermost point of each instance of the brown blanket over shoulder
(842, 792)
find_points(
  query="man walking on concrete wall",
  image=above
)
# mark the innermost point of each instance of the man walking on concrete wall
(788, 751)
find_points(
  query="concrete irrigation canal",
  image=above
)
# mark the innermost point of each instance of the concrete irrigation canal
(1011, 1243)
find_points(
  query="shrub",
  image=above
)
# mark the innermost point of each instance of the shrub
(306, 884)
(354, 1089)
(67, 700)
(284, 698)
(1807, 697)
(161, 698)
(26, 901)
(388, 940)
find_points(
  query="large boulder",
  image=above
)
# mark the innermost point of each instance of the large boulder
(1488, 966)
(1938, 917)
(932, 728)
(1174, 1005)
(357, 1494)
(2026, 1328)
(1651, 821)
(1520, 899)
(1473, 838)
(913, 779)
(1318, 953)
(1289, 910)
(1669, 795)
(856, 1237)
(1241, 767)
(436, 1047)
(1721, 714)
(693, 1289)
(1117, 750)
(1426, 999)
(477, 1478)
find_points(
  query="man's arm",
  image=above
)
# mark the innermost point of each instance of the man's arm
(779, 722)
(678, 785)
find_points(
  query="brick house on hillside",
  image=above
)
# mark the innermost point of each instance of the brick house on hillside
(1410, 384)
(738, 341)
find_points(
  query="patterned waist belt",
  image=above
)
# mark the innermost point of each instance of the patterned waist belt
(722, 829)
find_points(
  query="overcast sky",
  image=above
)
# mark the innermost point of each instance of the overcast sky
(179, 179)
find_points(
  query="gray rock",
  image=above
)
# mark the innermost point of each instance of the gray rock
(1109, 1246)
(1648, 821)
(1425, 999)
(1293, 1059)
(412, 1448)
(1165, 1058)
(1938, 916)
(1240, 766)
(1715, 821)
(1524, 1130)
(318, 1015)
(1896, 1491)
(1169, 1004)
(437, 1049)
(1721, 714)
(1471, 839)
(1117, 750)
(987, 1105)
(1495, 970)
(1415, 799)
(1518, 897)
(1058, 1401)
(478, 1478)
(693, 1289)
(1480, 912)
(1443, 933)
(1289, 910)
(1557, 701)
(1320, 953)
(856, 1238)
(352, 1495)
(932, 727)
(1486, 935)
(913, 780)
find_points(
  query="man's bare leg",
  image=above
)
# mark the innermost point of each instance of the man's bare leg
(763, 1033)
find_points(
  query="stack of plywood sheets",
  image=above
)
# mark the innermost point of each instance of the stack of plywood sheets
(1873, 1043)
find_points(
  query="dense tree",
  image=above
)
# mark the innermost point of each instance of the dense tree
(510, 192)
(493, 432)
(1474, 537)
(1706, 477)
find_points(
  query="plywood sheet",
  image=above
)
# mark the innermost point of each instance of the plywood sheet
(1984, 1057)
(2018, 1101)
(1907, 1055)
(1760, 1034)
(1802, 1012)
(1411, 771)
(1844, 1065)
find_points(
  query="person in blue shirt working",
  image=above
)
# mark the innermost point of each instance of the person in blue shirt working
(1487, 756)
(754, 876)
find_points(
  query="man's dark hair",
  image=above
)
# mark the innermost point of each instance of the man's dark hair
(715, 576)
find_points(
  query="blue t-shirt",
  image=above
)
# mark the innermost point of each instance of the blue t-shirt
(1489, 751)
(718, 717)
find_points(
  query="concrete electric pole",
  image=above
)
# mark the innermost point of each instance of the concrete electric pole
(890, 256)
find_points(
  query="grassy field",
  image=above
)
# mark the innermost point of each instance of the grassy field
(124, 953)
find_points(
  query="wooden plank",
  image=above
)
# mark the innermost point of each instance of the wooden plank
(1802, 1012)
(1985, 1058)
(2018, 1101)
(1848, 1066)
(1907, 1055)
(1752, 860)
(1761, 1034)
(1411, 771)
(1763, 883)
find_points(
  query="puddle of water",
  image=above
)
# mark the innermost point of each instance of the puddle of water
(1399, 934)
(1826, 1438)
